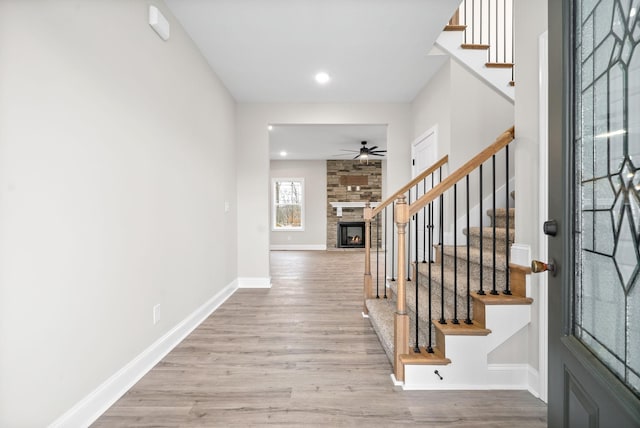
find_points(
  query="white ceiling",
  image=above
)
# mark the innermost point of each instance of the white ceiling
(324, 141)
(270, 50)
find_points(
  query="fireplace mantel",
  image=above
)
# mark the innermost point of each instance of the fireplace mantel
(340, 205)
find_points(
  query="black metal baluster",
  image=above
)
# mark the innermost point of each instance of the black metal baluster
(455, 254)
(504, 29)
(424, 226)
(473, 25)
(468, 320)
(429, 347)
(493, 177)
(386, 249)
(512, 44)
(489, 29)
(497, 48)
(377, 257)
(409, 244)
(507, 289)
(442, 320)
(393, 243)
(481, 35)
(416, 348)
(481, 291)
(464, 3)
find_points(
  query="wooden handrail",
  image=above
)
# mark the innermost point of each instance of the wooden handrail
(409, 185)
(505, 138)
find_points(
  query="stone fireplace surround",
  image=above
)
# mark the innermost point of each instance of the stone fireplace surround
(339, 172)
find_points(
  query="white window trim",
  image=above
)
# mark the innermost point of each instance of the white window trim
(273, 205)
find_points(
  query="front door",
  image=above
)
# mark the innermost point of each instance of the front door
(594, 196)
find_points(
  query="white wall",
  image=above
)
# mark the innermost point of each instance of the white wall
(530, 22)
(253, 171)
(479, 114)
(116, 158)
(314, 235)
(432, 106)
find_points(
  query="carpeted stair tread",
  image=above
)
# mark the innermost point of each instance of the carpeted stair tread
(500, 217)
(449, 277)
(474, 257)
(381, 316)
(436, 301)
(487, 237)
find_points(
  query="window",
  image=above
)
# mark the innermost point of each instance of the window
(288, 204)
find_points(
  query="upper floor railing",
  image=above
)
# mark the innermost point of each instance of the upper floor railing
(488, 24)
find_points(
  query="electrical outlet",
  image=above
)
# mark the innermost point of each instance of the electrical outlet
(156, 314)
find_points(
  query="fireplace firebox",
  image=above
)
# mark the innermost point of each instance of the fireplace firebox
(351, 234)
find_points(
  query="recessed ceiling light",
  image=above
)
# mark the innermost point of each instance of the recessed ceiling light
(283, 153)
(270, 127)
(322, 78)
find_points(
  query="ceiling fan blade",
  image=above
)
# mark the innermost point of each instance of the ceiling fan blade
(377, 151)
(356, 157)
(373, 148)
(376, 154)
(352, 151)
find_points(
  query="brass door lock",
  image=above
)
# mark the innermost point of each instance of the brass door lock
(537, 266)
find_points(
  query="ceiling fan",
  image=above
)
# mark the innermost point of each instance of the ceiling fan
(366, 152)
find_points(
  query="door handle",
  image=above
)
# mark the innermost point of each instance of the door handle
(537, 267)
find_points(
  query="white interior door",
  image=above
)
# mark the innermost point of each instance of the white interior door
(424, 153)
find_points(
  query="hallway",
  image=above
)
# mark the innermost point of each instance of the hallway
(300, 354)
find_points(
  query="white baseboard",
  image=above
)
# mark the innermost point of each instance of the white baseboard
(533, 382)
(395, 381)
(508, 376)
(298, 247)
(254, 282)
(87, 410)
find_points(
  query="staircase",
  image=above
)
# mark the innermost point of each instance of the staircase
(451, 342)
(439, 324)
(480, 37)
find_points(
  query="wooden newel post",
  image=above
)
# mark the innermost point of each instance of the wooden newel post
(368, 287)
(401, 324)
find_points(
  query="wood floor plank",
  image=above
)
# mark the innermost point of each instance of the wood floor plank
(300, 354)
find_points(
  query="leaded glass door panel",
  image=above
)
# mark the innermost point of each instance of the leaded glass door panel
(594, 146)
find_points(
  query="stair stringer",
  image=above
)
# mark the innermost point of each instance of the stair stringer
(469, 367)
(475, 61)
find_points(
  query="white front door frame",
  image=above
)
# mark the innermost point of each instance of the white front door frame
(543, 73)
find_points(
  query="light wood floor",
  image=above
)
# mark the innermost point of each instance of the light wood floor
(300, 354)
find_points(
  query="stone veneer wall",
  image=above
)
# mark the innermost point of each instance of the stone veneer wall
(336, 192)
